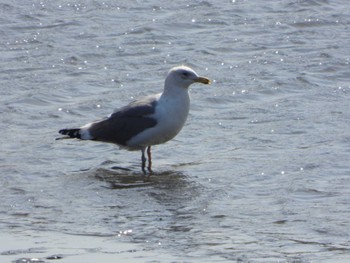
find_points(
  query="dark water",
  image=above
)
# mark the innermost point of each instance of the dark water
(260, 173)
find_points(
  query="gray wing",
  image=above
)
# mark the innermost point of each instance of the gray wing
(126, 122)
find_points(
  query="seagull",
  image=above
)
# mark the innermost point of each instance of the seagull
(148, 121)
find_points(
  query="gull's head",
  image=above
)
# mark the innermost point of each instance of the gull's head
(183, 77)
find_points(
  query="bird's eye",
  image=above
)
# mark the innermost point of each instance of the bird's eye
(185, 74)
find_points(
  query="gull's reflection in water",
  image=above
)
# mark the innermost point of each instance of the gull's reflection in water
(117, 177)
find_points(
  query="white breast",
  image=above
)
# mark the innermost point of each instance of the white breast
(171, 114)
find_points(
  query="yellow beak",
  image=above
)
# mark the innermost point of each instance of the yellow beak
(203, 80)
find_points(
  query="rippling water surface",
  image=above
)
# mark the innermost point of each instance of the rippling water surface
(260, 173)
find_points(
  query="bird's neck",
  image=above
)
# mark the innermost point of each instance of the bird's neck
(171, 89)
(176, 95)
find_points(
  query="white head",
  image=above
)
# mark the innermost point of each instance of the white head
(183, 77)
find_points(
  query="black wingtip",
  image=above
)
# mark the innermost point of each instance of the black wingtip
(73, 133)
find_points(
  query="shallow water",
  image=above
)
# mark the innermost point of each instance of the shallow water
(260, 173)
